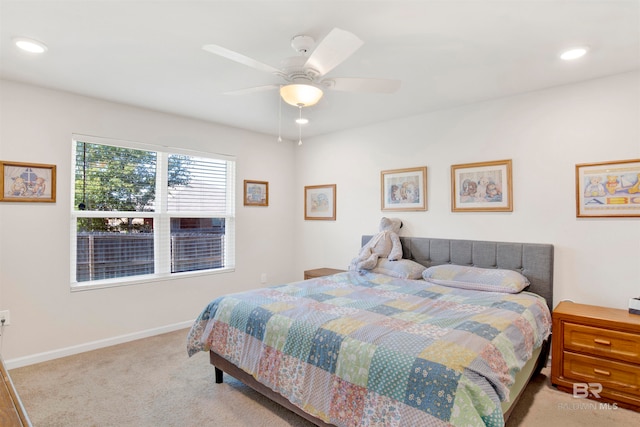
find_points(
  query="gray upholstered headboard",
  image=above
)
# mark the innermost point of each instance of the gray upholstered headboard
(533, 260)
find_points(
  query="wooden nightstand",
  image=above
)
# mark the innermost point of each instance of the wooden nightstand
(597, 346)
(319, 272)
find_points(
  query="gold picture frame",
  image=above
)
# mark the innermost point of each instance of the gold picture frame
(404, 189)
(320, 202)
(256, 193)
(482, 187)
(27, 182)
(608, 189)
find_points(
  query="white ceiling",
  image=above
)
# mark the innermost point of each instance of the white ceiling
(446, 53)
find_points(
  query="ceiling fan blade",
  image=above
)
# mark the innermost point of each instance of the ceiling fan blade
(252, 90)
(240, 58)
(348, 84)
(332, 50)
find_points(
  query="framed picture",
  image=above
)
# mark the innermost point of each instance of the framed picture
(482, 187)
(27, 182)
(404, 189)
(256, 193)
(608, 189)
(320, 202)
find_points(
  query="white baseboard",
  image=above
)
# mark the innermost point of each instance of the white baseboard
(92, 345)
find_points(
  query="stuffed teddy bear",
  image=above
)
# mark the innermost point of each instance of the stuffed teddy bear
(385, 244)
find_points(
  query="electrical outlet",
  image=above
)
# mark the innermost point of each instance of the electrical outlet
(4, 315)
(263, 278)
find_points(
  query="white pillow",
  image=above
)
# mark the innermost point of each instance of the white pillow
(402, 268)
(481, 279)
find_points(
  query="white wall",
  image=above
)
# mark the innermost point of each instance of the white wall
(47, 319)
(545, 133)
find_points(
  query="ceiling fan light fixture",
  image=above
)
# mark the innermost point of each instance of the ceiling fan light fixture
(301, 95)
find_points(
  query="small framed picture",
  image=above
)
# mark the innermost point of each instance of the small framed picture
(320, 202)
(256, 193)
(608, 189)
(27, 182)
(482, 187)
(404, 189)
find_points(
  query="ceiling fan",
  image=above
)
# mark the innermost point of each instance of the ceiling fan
(304, 75)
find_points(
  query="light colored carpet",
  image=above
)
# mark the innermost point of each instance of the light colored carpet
(152, 382)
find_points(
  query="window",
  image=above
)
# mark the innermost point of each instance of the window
(142, 212)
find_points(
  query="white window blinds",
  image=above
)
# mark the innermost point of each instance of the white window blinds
(149, 211)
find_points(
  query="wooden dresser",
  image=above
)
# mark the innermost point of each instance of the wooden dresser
(319, 272)
(12, 413)
(596, 353)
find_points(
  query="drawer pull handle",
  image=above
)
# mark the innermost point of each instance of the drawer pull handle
(601, 341)
(601, 372)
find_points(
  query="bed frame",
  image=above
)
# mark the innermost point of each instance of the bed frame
(533, 260)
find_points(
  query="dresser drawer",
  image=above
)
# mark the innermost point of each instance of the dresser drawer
(602, 342)
(615, 375)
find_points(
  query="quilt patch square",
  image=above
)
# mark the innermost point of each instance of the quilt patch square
(325, 347)
(509, 305)
(427, 330)
(276, 331)
(370, 333)
(432, 388)
(343, 325)
(269, 366)
(387, 310)
(240, 315)
(339, 292)
(225, 309)
(428, 294)
(483, 330)
(299, 340)
(279, 306)
(406, 343)
(340, 301)
(354, 361)
(389, 373)
(218, 338)
(412, 316)
(449, 354)
(257, 322)
(235, 345)
(348, 403)
(317, 392)
(405, 304)
(394, 324)
(502, 322)
(321, 297)
(291, 378)
(381, 411)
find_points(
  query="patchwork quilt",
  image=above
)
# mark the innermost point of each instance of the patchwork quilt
(367, 349)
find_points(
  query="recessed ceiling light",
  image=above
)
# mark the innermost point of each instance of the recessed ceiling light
(30, 45)
(574, 53)
(302, 121)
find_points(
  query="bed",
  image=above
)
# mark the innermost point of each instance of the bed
(376, 348)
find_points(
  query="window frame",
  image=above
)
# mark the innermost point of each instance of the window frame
(161, 216)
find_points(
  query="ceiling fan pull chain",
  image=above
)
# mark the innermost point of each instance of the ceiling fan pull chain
(300, 126)
(279, 119)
